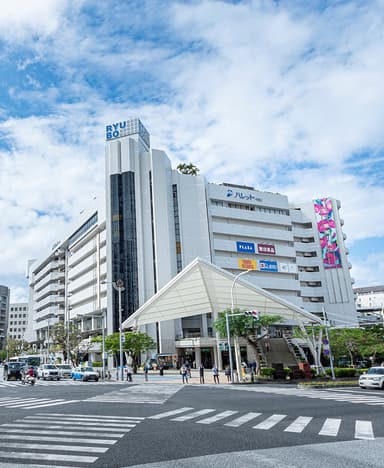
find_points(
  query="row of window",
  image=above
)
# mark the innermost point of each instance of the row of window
(260, 209)
(18, 309)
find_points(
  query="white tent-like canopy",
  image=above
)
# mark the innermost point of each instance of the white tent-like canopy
(205, 288)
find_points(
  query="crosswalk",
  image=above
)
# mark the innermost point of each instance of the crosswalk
(346, 396)
(330, 427)
(154, 394)
(66, 382)
(62, 438)
(33, 403)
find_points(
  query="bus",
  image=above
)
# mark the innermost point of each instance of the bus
(29, 360)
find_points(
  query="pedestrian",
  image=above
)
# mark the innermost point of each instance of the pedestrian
(227, 372)
(184, 373)
(129, 373)
(201, 373)
(109, 375)
(215, 372)
(146, 372)
(161, 369)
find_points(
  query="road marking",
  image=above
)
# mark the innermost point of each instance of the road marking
(50, 403)
(60, 426)
(170, 413)
(364, 430)
(139, 418)
(299, 424)
(196, 414)
(217, 417)
(65, 448)
(78, 423)
(48, 417)
(270, 422)
(242, 419)
(76, 433)
(48, 456)
(330, 427)
(40, 438)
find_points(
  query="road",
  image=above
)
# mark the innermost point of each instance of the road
(163, 424)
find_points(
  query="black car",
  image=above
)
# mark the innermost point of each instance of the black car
(13, 370)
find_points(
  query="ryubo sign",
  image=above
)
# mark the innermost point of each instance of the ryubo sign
(245, 247)
(267, 265)
(113, 131)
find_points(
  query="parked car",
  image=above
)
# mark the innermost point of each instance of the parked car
(13, 370)
(48, 371)
(85, 374)
(373, 378)
(65, 371)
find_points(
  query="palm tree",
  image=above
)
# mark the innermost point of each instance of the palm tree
(188, 169)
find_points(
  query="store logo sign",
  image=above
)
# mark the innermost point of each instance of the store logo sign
(248, 247)
(267, 265)
(242, 196)
(113, 131)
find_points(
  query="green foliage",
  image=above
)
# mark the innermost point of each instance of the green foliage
(267, 372)
(188, 169)
(61, 333)
(342, 372)
(135, 343)
(243, 325)
(357, 343)
(97, 364)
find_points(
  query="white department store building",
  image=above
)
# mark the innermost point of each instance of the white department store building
(156, 221)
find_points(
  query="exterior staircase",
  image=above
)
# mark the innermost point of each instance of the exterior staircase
(279, 351)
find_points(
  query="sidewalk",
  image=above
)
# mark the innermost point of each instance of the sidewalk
(173, 376)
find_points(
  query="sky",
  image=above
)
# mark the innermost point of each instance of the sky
(285, 96)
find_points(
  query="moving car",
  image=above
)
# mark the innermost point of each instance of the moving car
(85, 374)
(13, 370)
(48, 371)
(65, 371)
(373, 378)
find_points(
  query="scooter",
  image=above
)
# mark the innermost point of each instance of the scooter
(28, 379)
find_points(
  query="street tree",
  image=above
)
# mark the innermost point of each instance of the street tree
(62, 334)
(248, 327)
(188, 169)
(16, 347)
(135, 343)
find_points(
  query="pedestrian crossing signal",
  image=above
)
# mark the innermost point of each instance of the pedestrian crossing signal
(253, 313)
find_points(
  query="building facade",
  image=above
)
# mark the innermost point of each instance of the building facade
(155, 221)
(4, 311)
(18, 320)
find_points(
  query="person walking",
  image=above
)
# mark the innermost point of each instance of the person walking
(215, 372)
(201, 373)
(129, 373)
(146, 372)
(184, 373)
(227, 372)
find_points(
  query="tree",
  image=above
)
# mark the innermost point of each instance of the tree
(78, 346)
(16, 347)
(134, 343)
(245, 326)
(188, 169)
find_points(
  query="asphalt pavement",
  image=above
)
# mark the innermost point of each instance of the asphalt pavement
(164, 423)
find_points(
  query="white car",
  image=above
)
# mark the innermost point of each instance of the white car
(65, 371)
(48, 371)
(373, 378)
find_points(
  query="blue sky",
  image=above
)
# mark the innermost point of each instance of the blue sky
(285, 96)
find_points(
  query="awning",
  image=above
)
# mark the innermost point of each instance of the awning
(202, 287)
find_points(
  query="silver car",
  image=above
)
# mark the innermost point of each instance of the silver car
(373, 378)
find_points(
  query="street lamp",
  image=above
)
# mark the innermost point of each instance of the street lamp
(227, 326)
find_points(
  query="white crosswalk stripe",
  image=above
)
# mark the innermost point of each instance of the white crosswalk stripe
(330, 427)
(270, 422)
(364, 430)
(341, 396)
(145, 394)
(67, 382)
(299, 424)
(89, 437)
(33, 403)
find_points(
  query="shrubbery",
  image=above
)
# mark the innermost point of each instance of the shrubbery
(342, 372)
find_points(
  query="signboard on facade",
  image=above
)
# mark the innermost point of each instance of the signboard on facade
(248, 247)
(246, 264)
(267, 265)
(326, 227)
(266, 249)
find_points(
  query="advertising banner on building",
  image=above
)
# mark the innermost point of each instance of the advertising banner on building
(247, 264)
(326, 227)
(267, 265)
(266, 249)
(248, 247)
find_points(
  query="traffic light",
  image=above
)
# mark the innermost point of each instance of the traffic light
(253, 313)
